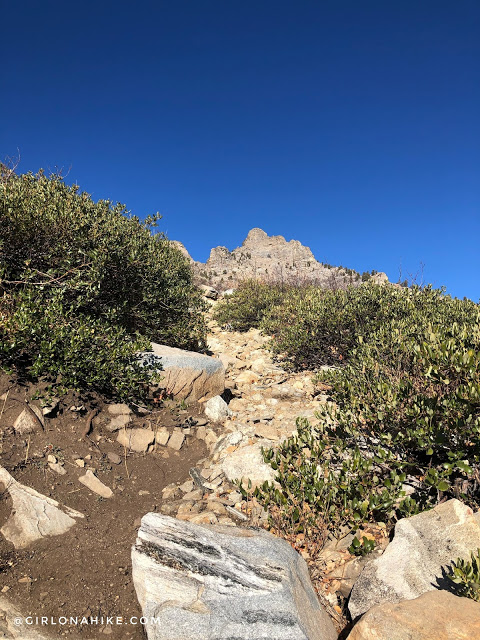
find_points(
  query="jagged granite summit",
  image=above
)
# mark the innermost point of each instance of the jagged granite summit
(270, 258)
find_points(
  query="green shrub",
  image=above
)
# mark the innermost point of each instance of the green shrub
(314, 327)
(406, 403)
(466, 576)
(246, 307)
(324, 482)
(361, 547)
(85, 286)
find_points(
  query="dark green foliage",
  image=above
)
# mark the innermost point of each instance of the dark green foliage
(466, 576)
(247, 306)
(326, 482)
(406, 410)
(361, 547)
(84, 286)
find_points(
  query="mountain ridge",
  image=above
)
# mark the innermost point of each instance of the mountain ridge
(271, 259)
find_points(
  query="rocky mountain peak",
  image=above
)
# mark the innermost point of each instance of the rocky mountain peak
(254, 237)
(271, 259)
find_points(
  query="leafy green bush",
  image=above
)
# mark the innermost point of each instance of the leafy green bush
(406, 407)
(361, 547)
(325, 481)
(84, 287)
(246, 307)
(466, 576)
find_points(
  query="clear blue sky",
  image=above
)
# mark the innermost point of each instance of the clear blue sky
(351, 126)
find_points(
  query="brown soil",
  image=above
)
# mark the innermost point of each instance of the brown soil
(87, 571)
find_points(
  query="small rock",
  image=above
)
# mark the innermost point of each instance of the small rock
(196, 494)
(118, 422)
(236, 513)
(201, 433)
(33, 515)
(211, 439)
(247, 377)
(206, 517)
(176, 441)
(216, 409)
(266, 431)
(50, 410)
(172, 492)
(284, 391)
(161, 436)
(58, 468)
(209, 292)
(80, 463)
(216, 507)
(238, 404)
(119, 409)
(247, 464)
(91, 481)
(235, 497)
(186, 486)
(136, 439)
(26, 422)
(114, 457)
(230, 362)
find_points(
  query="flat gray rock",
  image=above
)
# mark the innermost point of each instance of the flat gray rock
(34, 516)
(223, 583)
(418, 557)
(187, 375)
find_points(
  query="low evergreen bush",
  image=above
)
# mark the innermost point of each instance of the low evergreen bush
(402, 431)
(84, 286)
(246, 307)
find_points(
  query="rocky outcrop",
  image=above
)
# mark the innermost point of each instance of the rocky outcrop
(418, 557)
(34, 516)
(187, 375)
(202, 582)
(436, 615)
(269, 258)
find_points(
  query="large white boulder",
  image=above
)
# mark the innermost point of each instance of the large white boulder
(203, 582)
(418, 557)
(187, 375)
